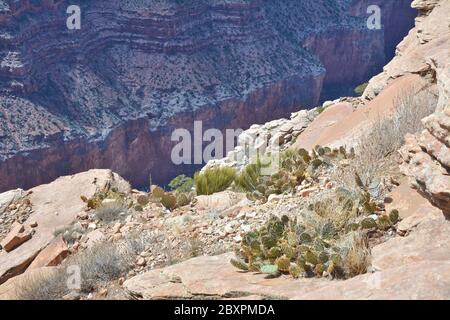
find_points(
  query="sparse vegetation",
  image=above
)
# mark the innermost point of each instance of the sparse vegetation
(328, 238)
(98, 265)
(214, 180)
(107, 192)
(295, 166)
(171, 200)
(72, 233)
(376, 149)
(111, 211)
(181, 183)
(359, 90)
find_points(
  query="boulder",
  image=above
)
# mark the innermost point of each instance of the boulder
(52, 255)
(9, 197)
(219, 201)
(55, 206)
(214, 277)
(418, 281)
(426, 159)
(15, 237)
(429, 241)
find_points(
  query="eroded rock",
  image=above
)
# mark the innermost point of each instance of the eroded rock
(55, 206)
(15, 237)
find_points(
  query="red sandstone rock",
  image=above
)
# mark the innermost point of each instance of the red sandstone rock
(55, 206)
(52, 255)
(16, 237)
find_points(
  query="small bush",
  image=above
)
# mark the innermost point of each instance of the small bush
(43, 287)
(98, 265)
(356, 254)
(72, 233)
(169, 201)
(181, 183)
(359, 90)
(376, 148)
(111, 211)
(107, 192)
(249, 179)
(214, 180)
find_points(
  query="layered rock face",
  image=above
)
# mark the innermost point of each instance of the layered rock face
(110, 94)
(426, 156)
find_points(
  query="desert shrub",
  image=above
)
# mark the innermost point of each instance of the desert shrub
(174, 199)
(375, 155)
(356, 254)
(181, 183)
(249, 178)
(285, 246)
(214, 180)
(158, 192)
(104, 262)
(71, 233)
(43, 287)
(111, 211)
(143, 200)
(192, 248)
(169, 201)
(184, 198)
(359, 90)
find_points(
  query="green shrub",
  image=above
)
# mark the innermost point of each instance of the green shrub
(181, 183)
(214, 180)
(249, 178)
(169, 201)
(359, 90)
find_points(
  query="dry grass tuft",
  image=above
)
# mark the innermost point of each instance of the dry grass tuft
(376, 149)
(214, 180)
(111, 211)
(98, 265)
(356, 254)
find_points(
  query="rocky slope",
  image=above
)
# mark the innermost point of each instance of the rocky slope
(409, 259)
(137, 70)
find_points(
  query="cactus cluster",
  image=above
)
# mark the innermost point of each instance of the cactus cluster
(315, 246)
(107, 192)
(284, 246)
(295, 166)
(171, 200)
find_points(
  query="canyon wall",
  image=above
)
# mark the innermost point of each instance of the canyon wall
(110, 95)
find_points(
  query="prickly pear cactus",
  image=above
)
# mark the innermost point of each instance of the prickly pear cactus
(158, 192)
(310, 247)
(169, 201)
